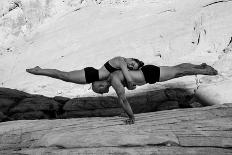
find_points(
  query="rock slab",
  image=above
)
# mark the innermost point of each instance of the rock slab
(18, 105)
(206, 130)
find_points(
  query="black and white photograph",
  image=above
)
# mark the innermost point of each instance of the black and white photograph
(115, 77)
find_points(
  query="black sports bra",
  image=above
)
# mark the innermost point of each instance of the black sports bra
(110, 68)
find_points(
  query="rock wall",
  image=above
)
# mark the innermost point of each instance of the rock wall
(19, 17)
(17, 105)
(195, 131)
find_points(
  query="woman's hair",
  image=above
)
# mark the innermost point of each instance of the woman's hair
(140, 63)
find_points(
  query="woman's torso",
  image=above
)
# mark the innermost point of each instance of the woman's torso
(105, 70)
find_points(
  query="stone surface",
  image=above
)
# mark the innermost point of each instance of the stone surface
(215, 93)
(13, 94)
(20, 105)
(140, 102)
(91, 103)
(30, 115)
(61, 99)
(3, 117)
(168, 105)
(94, 113)
(36, 104)
(5, 104)
(196, 131)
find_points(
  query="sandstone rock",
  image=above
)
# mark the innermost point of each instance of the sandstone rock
(94, 113)
(13, 94)
(168, 105)
(216, 93)
(196, 131)
(38, 103)
(176, 94)
(146, 101)
(108, 106)
(5, 104)
(3, 117)
(30, 115)
(61, 99)
(81, 107)
(91, 103)
(196, 105)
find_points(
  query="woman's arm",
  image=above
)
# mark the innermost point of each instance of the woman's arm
(125, 71)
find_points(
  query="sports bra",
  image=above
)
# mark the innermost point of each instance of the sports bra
(110, 68)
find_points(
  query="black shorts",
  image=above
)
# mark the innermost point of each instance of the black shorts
(91, 74)
(151, 73)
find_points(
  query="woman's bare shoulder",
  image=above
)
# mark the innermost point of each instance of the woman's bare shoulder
(117, 60)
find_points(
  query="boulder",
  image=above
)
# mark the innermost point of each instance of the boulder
(3, 117)
(91, 103)
(61, 99)
(38, 103)
(146, 101)
(193, 131)
(140, 103)
(216, 93)
(30, 115)
(13, 94)
(5, 104)
(168, 105)
(94, 113)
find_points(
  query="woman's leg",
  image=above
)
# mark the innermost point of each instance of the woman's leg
(77, 76)
(168, 73)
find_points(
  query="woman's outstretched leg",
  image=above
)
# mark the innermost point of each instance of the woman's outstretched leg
(77, 76)
(168, 73)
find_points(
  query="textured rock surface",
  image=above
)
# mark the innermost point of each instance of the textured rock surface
(13, 94)
(36, 104)
(215, 93)
(5, 104)
(19, 105)
(204, 130)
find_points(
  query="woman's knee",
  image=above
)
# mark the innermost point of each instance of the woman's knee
(66, 76)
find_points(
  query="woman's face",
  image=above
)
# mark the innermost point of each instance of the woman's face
(131, 64)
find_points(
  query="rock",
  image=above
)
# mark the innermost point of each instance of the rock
(3, 117)
(176, 94)
(94, 113)
(168, 105)
(92, 106)
(20, 105)
(196, 105)
(61, 99)
(91, 103)
(5, 104)
(30, 115)
(196, 131)
(13, 94)
(216, 93)
(38, 103)
(108, 106)
(224, 64)
(146, 101)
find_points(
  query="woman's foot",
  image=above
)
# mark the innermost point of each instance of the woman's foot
(36, 70)
(206, 69)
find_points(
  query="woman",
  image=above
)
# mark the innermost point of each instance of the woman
(90, 74)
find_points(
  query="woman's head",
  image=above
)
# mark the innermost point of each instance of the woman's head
(100, 87)
(134, 64)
